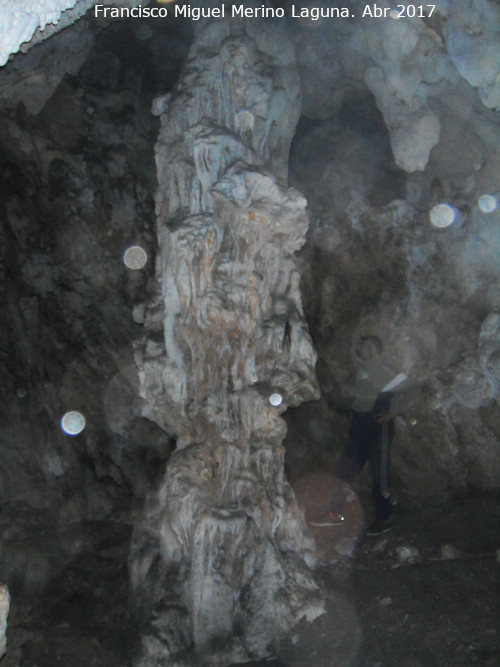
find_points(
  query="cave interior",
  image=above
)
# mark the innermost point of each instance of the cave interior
(379, 180)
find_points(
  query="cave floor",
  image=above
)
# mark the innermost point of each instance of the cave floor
(425, 594)
(77, 617)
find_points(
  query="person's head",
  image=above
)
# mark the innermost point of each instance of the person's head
(369, 347)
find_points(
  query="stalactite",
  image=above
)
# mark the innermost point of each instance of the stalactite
(220, 559)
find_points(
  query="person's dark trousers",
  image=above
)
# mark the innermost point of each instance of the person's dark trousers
(368, 441)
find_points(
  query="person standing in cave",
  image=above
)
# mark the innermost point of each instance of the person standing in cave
(370, 435)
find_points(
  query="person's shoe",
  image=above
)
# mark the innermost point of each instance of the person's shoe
(328, 519)
(379, 527)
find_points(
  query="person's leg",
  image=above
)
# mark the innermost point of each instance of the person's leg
(348, 468)
(380, 462)
(345, 473)
(350, 463)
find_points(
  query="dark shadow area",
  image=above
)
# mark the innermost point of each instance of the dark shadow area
(77, 182)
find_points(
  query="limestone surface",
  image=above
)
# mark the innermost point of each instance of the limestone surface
(405, 62)
(24, 24)
(226, 352)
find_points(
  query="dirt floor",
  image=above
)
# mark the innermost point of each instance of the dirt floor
(77, 617)
(425, 594)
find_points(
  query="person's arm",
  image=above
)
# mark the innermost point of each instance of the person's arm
(397, 397)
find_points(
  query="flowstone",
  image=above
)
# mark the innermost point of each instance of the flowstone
(221, 559)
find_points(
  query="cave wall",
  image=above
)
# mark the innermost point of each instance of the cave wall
(77, 189)
(381, 265)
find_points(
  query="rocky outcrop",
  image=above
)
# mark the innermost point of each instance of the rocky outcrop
(227, 350)
(25, 24)
(407, 60)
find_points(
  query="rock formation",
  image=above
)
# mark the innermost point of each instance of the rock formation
(226, 351)
(397, 153)
(404, 62)
(383, 263)
(25, 24)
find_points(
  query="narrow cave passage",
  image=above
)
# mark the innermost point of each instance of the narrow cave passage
(176, 482)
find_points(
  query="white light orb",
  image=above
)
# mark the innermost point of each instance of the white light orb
(394, 14)
(73, 422)
(276, 399)
(135, 257)
(442, 215)
(487, 203)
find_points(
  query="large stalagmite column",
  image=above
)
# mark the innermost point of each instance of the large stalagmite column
(220, 560)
